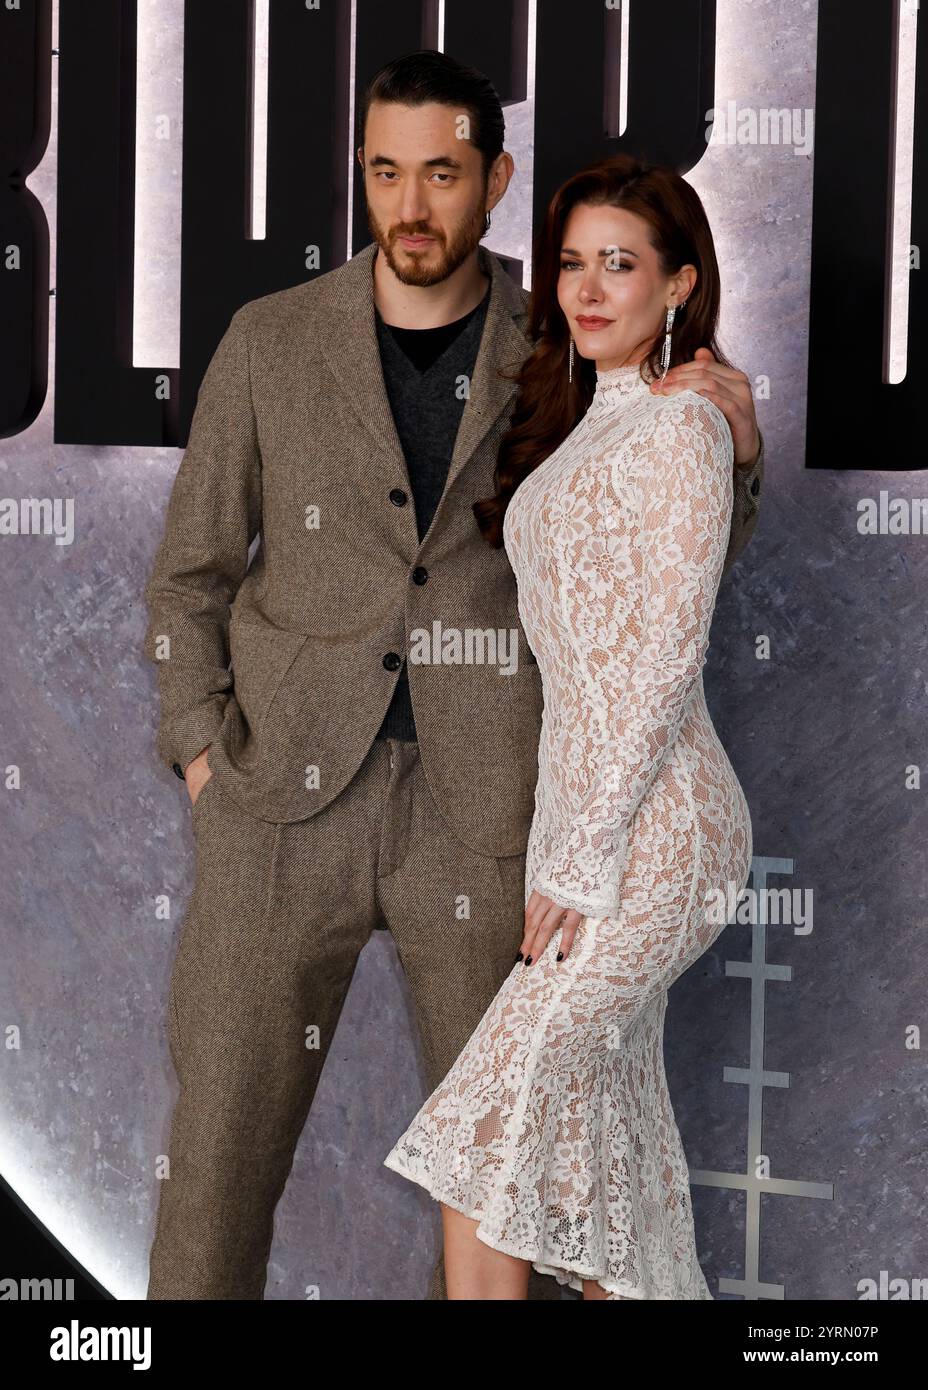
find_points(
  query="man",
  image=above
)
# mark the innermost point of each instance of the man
(337, 786)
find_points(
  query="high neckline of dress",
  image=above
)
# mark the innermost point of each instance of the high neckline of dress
(618, 384)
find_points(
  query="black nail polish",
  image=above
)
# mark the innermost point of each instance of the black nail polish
(560, 955)
(519, 956)
(528, 960)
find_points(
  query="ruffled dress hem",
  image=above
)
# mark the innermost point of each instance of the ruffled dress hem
(572, 1275)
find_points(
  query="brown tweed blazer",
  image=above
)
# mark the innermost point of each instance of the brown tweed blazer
(293, 445)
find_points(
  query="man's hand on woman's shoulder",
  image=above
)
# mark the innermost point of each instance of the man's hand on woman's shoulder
(730, 390)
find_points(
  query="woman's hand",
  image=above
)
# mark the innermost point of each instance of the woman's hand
(542, 919)
(730, 390)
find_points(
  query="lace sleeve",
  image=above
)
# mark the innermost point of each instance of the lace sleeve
(685, 471)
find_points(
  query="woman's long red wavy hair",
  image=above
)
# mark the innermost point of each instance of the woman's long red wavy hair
(548, 406)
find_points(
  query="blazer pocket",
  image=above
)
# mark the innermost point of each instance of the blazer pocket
(261, 655)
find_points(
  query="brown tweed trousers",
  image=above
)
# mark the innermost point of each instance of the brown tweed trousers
(311, 833)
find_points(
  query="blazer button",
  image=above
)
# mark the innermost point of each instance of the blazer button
(398, 497)
(176, 767)
(419, 575)
(755, 487)
(393, 661)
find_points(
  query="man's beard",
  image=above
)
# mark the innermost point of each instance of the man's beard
(412, 271)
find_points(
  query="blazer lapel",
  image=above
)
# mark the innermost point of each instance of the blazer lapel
(350, 347)
(503, 346)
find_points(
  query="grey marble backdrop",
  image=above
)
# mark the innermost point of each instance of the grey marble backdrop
(820, 733)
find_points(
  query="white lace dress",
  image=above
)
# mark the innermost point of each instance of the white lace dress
(554, 1128)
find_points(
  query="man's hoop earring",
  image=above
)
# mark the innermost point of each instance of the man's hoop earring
(487, 227)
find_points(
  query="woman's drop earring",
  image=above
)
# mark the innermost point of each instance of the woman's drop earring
(570, 373)
(665, 355)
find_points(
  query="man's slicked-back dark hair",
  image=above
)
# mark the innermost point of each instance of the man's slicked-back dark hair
(428, 75)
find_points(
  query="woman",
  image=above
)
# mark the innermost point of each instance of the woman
(552, 1140)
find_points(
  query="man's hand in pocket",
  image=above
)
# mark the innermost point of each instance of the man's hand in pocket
(196, 774)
